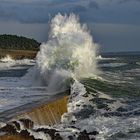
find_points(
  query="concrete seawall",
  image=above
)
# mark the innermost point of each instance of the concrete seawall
(47, 114)
(43, 113)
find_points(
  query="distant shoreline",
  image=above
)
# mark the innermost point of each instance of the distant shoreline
(18, 54)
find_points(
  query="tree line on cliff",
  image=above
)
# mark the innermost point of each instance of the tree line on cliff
(14, 42)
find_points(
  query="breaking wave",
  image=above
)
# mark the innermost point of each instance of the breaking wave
(8, 62)
(69, 53)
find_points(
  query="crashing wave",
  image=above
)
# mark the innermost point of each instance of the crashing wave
(9, 63)
(69, 53)
(6, 59)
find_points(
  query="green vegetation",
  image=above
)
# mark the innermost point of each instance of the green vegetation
(14, 42)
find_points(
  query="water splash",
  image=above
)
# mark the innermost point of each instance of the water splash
(6, 59)
(8, 62)
(69, 52)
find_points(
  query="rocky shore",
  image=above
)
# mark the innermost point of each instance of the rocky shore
(39, 123)
(23, 129)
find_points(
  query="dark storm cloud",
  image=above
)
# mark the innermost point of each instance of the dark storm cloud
(93, 4)
(84, 7)
(6, 14)
(27, 11)
(78, 9)
(38, 11)
(125, 1)
(30, 17)
(24, 12)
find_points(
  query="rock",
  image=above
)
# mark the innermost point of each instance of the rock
(32, 138)
(93, 133)
(17, 125)
(27, 123)
(58, 137)
(41, 130)
(92, 139)
(10, 129)
(70, 137)
(51, 132)
(25, 133)
(83, 136)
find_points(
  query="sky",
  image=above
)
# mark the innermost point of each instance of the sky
(114, 24)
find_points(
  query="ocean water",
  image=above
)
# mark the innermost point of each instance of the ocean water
(111, 101)
(104, 89)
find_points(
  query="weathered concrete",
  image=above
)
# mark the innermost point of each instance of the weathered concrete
(47, 114)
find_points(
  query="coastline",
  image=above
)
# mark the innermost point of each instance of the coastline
(18, 54)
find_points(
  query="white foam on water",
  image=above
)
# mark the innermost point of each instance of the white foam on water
(99, 57)
(113, 64)
(106, 126)
(6, 59)
(40, 135)
(11, 89)
(2, 124)
(4, 102)
(76, 102)
(138, 63)
(9, 63)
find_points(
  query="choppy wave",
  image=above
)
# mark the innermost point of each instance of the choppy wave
(113, 64)
(99, 57)
(9, 63)
(138, 63)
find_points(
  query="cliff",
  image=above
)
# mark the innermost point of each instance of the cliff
(18, 54)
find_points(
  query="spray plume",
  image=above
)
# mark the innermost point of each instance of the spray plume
(69, 52)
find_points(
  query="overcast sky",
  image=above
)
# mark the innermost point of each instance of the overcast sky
(114, 24)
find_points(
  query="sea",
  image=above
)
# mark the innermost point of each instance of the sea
(104, 88)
